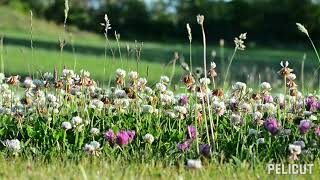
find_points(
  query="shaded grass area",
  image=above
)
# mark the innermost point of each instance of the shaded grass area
(99, 169)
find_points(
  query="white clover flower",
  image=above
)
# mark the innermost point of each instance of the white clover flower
(142, 81)
(219, 107)
(66, 125)
(148, 138)
(148, 91)
(28, 83)
(121, 73)
(204, 81)
(68, 73)
(246, 107)
(13, 145)
(161, 87)
(93, 148)
(194, 164)
(51, 98)
(170, 114)
(294, 149)
(94, 131)
(239, 86)
(119, 93)
(48, 76)
(133, 75)
(147, 109)
(181, 109)
(97, 104)
(260, 141)
(235, 119)
(265, 86)
(253, 132)
(164, 79)
(2, 77)
(269, 107)
(257, 115)
(76, 121)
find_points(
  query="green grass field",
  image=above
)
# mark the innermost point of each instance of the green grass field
(89, 52)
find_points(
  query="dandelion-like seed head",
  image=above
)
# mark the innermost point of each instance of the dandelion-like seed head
(302, 29)
(200, 19)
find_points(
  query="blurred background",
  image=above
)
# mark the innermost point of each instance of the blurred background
(161, 25)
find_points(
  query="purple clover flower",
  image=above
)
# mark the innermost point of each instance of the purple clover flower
(110, 136)
(123, 138)
(272, 126)
(205, 150)
(267, 99)
(305, 126)
(184, 100)
(192, 132)
(311, 103)
(131, 135)
(317, 131)
(184, 146)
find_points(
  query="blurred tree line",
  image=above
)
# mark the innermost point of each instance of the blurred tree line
(267, 21)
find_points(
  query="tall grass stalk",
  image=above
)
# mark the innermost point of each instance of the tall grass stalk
(117, 36)
(221, 48)
(200, 19)
(302, 70)
(228, 68)
(1, 53)
(73, 52)
(31, 45)
(174, 61)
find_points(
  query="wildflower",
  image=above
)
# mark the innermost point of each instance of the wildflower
(311, 103)
(212, 72)
(272, 126)
(147, 109)
(182, 111)
(219, 107)
(295, 150)
(194, 164)
(164, 80)
(260, 141)
(122, 138)
(285, 71)
(93, 148)
(265, 86)
(48, 76)
(84, 73)
(133, 75)
(76, 121)
(236, 119)
(121, 73)
(161, 87)
(51, 98)
(253, 132)
(239, 42)
(205, 150)
(148, 138)
(13, 80)
(192, 132)
(185, 146)
(188, 80)
(204, 81)
(110, 136)
(66, 125)
(94, 131)
(218, 92)
(302, 29)
(183, 100)
(267, 99)
(239, 86)
(305, 126)
(200, 19)
(300, 143)
(13, 145)
(28, 83)
(246, 107)
(317, 131)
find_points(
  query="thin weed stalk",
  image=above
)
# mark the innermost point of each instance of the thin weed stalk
(31, 44)
(1, 53)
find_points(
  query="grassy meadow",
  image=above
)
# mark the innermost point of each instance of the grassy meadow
(133, 123)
